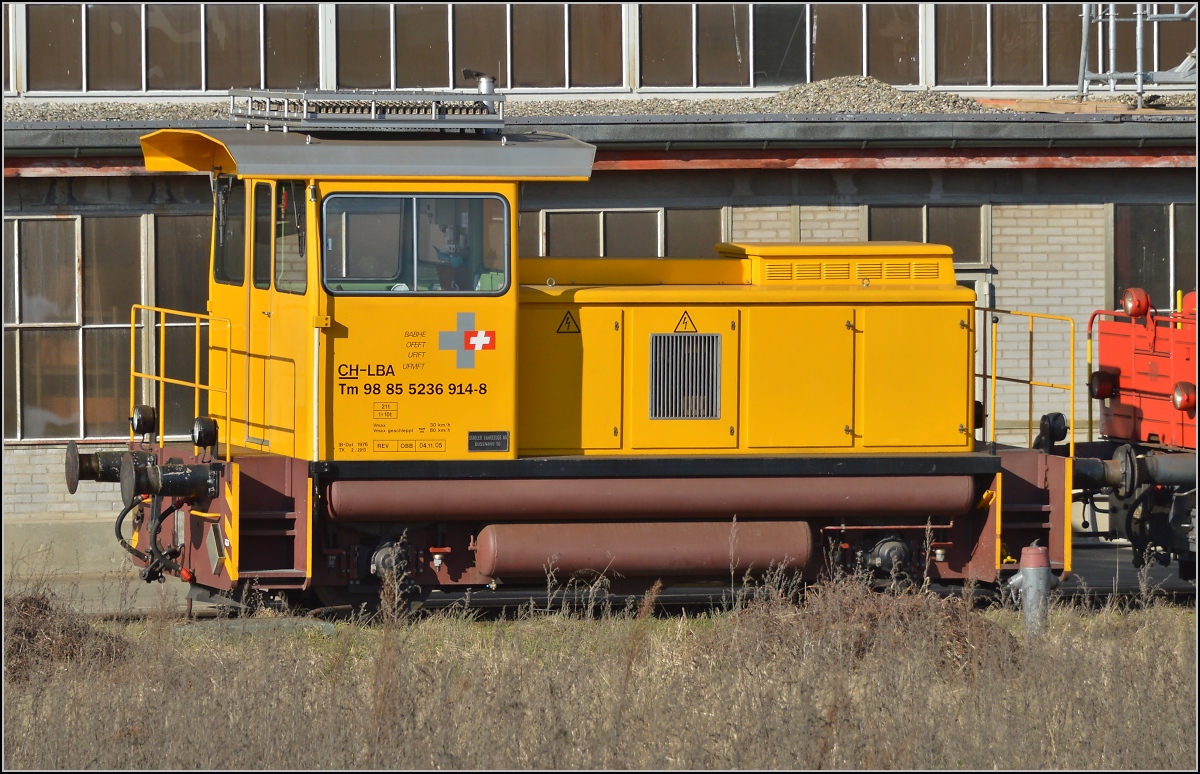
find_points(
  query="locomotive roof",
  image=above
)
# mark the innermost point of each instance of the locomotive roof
(292, 154)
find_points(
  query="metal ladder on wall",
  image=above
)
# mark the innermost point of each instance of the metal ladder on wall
(1101, 13)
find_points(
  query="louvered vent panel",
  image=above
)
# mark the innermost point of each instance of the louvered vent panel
(896, 270)
(808, 271)
(685, 376)
(778, 272)
(837, 271)
(869, 271)
(925, 271)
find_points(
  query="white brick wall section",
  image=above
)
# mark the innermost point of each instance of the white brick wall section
(35, 487)
(830, 224)
(1049, 259)
(762, 224)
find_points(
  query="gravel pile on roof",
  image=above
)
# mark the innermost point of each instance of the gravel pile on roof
(848, 94)
(1151, 100)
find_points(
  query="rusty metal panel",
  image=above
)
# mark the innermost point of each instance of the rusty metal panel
(54, 46)
(480, 43)
(595, 44)
(291, 39)
(666, 44)
(364, 58)
(723, 44)
(422, 46)
(173, 46)
(837, 40)
(538, 45)
(1017, 44)
(893, 43)
(961, 44)
(232, 38)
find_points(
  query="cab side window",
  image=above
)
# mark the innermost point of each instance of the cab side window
(262, 236)
(229, 249)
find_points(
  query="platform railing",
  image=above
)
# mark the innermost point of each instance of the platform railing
(158, 376)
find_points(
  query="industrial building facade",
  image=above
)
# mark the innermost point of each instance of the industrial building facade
(1047, 212)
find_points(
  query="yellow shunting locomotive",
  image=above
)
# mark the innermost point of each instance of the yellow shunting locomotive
(391, 391)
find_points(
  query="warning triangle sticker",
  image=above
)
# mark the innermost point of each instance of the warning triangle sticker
(685, 324)
(568, 324)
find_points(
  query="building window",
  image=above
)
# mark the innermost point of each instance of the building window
(422, 46)
(837, 37)
(364, 57)
(959, 226)
(596, 53)
(1154, 248)
(539, 45)
(480, 43)
(672, 232)
(780, 44)
(69, 284)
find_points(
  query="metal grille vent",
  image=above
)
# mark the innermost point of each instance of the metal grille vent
(808, 271)
(925, 271)
(869, 271)
(779, 272)
(896, 270)
(685, 376)
(837, 271)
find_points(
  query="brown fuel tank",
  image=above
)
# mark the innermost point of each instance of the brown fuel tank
(553, 499)
(630, 549)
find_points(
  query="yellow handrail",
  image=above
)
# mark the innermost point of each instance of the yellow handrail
(990, 371)
(162, 381)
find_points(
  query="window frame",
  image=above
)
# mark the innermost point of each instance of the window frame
(508, 229)
(985, 229)
(1111, 257)
(601, 213)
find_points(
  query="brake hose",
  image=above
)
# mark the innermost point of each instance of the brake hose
(121, 538)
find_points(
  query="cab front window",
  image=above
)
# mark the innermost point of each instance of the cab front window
(387, 244)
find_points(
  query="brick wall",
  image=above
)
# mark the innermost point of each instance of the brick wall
(820, 223)
(762, 224)
(35, 487)
(778, 224)
(1048, 259)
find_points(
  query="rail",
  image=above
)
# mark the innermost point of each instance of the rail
(990, 371)
(161, 380)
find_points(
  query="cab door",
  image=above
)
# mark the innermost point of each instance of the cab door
(258, 318)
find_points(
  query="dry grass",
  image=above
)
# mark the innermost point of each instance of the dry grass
(836, 676)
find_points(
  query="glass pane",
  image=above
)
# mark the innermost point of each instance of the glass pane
(631, 234)
(693, 233)
(229, 261)
(47, 270)
(364, 58)
(10, 271)
(723, 44)
(181, 246)
(895, 224)
(961, 44)
(837, 40)
(958, 227)
(666, 44)
(10, 384)
(262, 236)
(1127, 40)
(112, 269)
(480, 44)
(50, 384)
(422, 45)
(181, 364)
(114, 46)
(292, 46)
(527, 233)
(780, 45)
(4, 34)
(233, 46)
(54, 38)
(1185, 248)
(291, 234)
(1064, 36)
(595, 44)
(893, 35)
(173, 46)
(1017, 43)
(1175, 39)
(538, 53)
(105, 382)
(369, 239)
(1140, 252)
(572, 234)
